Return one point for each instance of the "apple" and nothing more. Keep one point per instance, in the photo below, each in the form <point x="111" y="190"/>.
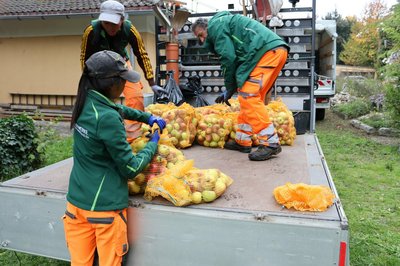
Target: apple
<point x="220" y="187"/>
<point x="208" y="195"/>
<point x="196" y="197"/>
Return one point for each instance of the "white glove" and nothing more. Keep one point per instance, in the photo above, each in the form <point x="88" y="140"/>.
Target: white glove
<point x="157" y="89"/>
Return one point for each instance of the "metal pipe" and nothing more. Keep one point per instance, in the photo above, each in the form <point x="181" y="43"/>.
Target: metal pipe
<point x="312" y="100"/>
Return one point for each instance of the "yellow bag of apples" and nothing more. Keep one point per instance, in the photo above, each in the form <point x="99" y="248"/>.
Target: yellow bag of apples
<point x="159" y="108"/>
<point x="212" y="109"/>
<point x="171" y="186"/>
<point x="181" y="125"/>
<point x="235" y="105"/>
<point x="165" y="158"/>
<point x="206" y="185"/>
<point x="283" y="121"/>
<point x="213" y="130"/>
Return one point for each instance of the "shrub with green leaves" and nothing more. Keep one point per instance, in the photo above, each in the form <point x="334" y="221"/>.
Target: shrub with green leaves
<point x="18" y="146"/>
<point x="353" y="109"/>
<point x="393" y="103"/>
<point x="392" y="97"/>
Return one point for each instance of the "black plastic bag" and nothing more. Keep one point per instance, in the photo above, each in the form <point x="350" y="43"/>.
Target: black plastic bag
<point x="192" y="91"/>
<point x="173" y="92"/>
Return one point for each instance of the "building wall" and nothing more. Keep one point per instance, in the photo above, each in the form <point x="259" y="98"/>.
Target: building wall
<point x="42" y="56"/>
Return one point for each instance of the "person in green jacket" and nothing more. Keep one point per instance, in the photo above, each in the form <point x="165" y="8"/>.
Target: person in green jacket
<point x="97" y="198"/>
<point x="251" y="57"/>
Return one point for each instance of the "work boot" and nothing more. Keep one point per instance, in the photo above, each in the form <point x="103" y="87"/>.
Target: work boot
<point x="233" y="145"/>
<point x="264" y="153"/>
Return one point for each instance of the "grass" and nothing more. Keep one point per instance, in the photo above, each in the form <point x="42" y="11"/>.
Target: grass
<point x="367" y="177"/>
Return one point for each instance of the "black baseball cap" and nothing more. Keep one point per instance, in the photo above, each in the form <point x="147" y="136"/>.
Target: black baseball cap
<point x="109" y="64"/>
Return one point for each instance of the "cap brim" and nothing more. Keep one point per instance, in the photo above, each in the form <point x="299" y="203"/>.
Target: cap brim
<point x="130" y="75"/>
<point x="113" y="18"/>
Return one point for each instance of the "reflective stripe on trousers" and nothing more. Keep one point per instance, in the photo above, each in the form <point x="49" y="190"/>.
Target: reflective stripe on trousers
<point x="253" y="117"/>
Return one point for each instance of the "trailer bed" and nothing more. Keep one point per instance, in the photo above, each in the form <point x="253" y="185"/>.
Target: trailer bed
<point x="253" y="183"/>
<point x="269" y="234"/>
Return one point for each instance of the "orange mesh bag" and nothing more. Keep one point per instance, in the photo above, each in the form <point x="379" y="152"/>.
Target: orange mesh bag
<point x="181" y="125"/>
<point x="304" y="197"/>
<point x="213" y="130"/>
<point x="206" y="185"/>
<point x="283" y="121"/>
<point x="171" y="186"/>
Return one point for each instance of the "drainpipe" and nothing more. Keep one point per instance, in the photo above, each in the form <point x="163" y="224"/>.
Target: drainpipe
<point x="172" y="59"/>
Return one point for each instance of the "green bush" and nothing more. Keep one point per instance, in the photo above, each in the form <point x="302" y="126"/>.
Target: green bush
<point x="392" y="97"/>
<point x="18" y="146"/>
<point x="363" y="88"/>
<point x="353" y="109"/>
<point x="392" y="101"/>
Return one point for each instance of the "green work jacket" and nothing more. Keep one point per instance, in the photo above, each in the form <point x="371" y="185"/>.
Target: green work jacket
<point x="240" y="42"/>
<point x="103" y="159"/>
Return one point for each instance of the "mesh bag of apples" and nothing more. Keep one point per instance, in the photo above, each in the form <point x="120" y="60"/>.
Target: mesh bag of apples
<point x="184" y="185"/>
<point x="283" y="121"/>
<point x="181" y="125"/>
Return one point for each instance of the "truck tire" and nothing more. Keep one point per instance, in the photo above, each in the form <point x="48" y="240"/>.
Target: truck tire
<point x="320" y="114"/>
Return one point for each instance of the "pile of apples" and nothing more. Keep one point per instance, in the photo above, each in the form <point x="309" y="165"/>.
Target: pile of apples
<point x="213" y="130"/>
<point x="206" y="185"/>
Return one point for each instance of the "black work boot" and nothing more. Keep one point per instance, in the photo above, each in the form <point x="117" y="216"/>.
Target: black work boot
<point x="233" y="145"/>
<point x="264" y="153"/>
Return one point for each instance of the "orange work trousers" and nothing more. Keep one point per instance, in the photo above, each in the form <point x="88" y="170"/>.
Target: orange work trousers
<point x="133" y="93"/>
<point x="253" y="119"/>
<point x="87" y="230"/>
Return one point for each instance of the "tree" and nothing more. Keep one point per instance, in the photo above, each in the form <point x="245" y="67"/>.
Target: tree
<point x="364" y="44"/>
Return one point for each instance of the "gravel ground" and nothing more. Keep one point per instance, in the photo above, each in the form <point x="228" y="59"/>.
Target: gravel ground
<point x="61" y="127"/>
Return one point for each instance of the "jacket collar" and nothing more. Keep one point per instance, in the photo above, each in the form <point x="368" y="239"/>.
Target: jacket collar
<point x="101" y="98"/>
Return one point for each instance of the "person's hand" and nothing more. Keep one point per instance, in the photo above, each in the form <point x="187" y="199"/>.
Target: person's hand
<point x="155" y="136"/>
<point x="158" y="120"/>
<point x="157" y="89"/>
<point x="224" y="97"/>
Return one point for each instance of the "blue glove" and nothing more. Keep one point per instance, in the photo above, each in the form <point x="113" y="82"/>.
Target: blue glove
<point x="157" y="90"/>
<point x="224" y="97"/>
<point x="155" y="137"/>
<point x="158" y="120"/>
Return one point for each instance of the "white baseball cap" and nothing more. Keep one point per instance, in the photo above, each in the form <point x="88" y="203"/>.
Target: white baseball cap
<point x="111" y="11"/>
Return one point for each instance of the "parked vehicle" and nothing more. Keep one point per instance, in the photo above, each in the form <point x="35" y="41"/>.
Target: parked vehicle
<point x="245" y="226"/>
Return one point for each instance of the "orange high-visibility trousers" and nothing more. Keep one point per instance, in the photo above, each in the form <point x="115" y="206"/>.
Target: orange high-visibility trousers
<point x="253" y="117"/>
<point x="87" y="230"/>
